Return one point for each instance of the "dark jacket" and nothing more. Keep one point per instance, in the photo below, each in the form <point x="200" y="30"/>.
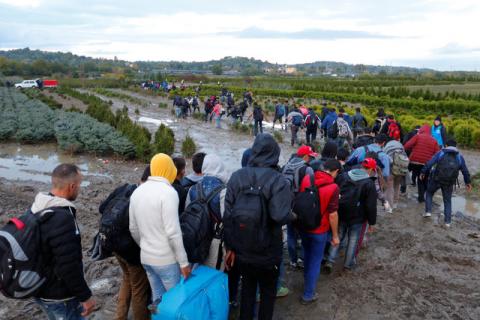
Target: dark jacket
<point x="463" y="166"/>
<point x="263" y="168"/>
<point x="359" y="121"/>
<point x="182" y="195"/>
<point x="62" y="251"/>
<point x="422" y="147"/>
<point x="367" y="208"/>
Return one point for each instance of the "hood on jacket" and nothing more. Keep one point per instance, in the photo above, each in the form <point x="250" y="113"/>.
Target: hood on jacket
<point x="45" y="200"/>
<point x="424" y="129"/>
<point x="214" y="167"/>
<point x="451" y="149"/>
<point x="358" y="174"/>
<point x="322" y="178"/>
<point x="265" y="152"/>
<point x="162" y="165"/>
<point x="246" y="157"/>
<point x="194" y="178"/>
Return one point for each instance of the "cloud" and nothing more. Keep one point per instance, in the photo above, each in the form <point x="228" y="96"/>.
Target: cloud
<point x="454" y="48"/>
<point x="310" y="34"/>
<point x="21" y="3"/>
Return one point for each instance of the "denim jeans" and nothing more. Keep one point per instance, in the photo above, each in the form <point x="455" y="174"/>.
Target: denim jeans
<point x="65" y="310"/>
<point x="258" y="126"/>
<point x="349" y="239"/>
<point x="217" y="121"/>
<point x="162" y="278"/>
<point x="292" y="240"/>
<point x="313" y="249"/>
<point x="447" y="192"/>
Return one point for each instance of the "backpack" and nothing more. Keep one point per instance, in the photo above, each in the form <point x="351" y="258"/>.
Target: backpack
<point x="199" y="225"/>
<point x="400" y="163"/>
<point x="297" y="121"/>
<point x="374" y="155"/>
<point x="280" y="110"/>
<point x="313" y="121"/>
<point x="333" y="130"/>
<point x="394" y="130"/>
<point x="246" y="227"/>
<point x="294" y="171"/>
<point x="446" y="170"/>
<point x="114" y="235"/>
<point x="257" y="114"/>
<point x="22" y="268"/>
<point x="349" y="200"/>
<point x="306" y="205"/>
<point x="342" y="128"/>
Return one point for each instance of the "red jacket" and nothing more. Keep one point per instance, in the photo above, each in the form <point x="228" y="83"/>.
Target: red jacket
<point x="326" y="190"/>
<point x="423" y="146"/>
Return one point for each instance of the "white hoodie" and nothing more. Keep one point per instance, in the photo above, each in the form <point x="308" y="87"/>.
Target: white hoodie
<point x="154" y="223"/>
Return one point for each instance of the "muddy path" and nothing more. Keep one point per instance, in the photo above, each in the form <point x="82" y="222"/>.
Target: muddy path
<point x="411" y="268"/>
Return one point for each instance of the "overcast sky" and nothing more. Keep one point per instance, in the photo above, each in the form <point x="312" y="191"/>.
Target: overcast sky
<point x="439" y="34"/>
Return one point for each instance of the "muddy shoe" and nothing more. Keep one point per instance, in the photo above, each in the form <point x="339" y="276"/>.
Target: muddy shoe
<point x="388" y="208"/>
<point x="307" y="302"/>
<point x="427" y="215"/>
<point x="328" y="268"/>
<point x="282" y="292"/>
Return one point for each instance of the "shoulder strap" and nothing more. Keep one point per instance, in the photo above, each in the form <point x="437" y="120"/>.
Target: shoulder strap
<point x="200" y="193"/>
<point x="214" y="192"/>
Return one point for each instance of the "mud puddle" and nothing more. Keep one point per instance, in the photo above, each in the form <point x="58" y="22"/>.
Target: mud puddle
<point x="34" y="163"/>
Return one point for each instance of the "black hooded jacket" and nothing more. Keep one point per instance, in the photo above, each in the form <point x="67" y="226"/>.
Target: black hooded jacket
<point x="263" y="168"/>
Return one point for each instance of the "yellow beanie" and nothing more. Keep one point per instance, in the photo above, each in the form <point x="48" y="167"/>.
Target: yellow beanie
<point x="162" y="165"/>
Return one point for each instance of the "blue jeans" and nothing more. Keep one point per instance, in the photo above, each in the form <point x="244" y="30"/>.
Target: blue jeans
<point x="162" y="278"/>
<point x="349" y="239"/>
<point x="313" y="248"/>
<point x="217" y="121"/>
<point x="292" y="239"/>
<point x="447" y="192"/>
<point x="67" y="310"/>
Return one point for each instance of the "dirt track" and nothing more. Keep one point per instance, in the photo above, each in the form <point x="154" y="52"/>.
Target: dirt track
<point x="411" y="268"/>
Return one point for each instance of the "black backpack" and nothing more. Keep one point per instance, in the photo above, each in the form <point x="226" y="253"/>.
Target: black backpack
<point x="349" y="201"/>
<point x="312" y="124"/>
<point x="257" y="114"/>
<point x="306" y="206"/>
<point x="333" y="131"/>
<point x="446" y="171"/>
<point x="22" y="268"/>
<point x="199" y="225"/>
<point x="247" y="225"/>
<point x="114" y="235"/>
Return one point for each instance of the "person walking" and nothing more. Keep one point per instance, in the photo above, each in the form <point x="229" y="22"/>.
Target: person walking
<point x="154" y="225"/>
<point x="399" y="163"/>
<point x="312" y="122"/>
<point x="65" y="294"/>
<point x="439" y="132"/>
<point x="359" y="122"/>
<point x="257" y="205"/>
<point x="279" y="114"/>
<point x="443" y="172"/>
<point x="422" y="148"/>
<point x="314" y="241"/>
<point x="197" y="175"/>
<point x="296" y="123"/>
<point x="180" y="164"/>
<point x="217" y="113"/>
<point x="357" y="207"/>
<point x="258" y="117"/>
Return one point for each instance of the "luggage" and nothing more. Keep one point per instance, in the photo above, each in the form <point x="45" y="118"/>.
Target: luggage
<point x="204" y="296"/>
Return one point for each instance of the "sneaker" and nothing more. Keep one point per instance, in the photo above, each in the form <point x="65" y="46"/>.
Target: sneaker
<point x="395" y="206"/>
<point x="328" y="268"/>
<point x="427" y="215"/>
<point x="282" y="292"/>
<point x="300" y="264"/>
<point x="307" y="302"/>
<point x="387" y="207"/>
<point x="447" y="225"/>
<point x="293" y="265"/>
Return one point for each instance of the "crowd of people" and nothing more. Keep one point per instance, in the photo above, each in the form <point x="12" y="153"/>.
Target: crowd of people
<point x="324" y="201"/>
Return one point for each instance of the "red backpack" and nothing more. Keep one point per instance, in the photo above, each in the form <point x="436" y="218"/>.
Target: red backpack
<point x="394" y="130"/>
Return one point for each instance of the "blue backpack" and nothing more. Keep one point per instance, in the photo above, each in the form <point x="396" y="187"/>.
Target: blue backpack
<point x="297" y="121"/>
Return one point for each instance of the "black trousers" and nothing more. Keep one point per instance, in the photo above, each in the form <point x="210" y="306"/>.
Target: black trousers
<point x="264" y="277"/>
<point x="311" y="134"/>
<point x="421" y="184"/>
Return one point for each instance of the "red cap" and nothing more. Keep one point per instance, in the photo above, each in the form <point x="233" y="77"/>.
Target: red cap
<point x="306" y="151"/>
<point x="369" y="163"/>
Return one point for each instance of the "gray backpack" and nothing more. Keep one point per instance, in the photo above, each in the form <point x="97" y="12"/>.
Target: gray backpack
<point x="400" y="163"/>
<point x="294" y="171"/>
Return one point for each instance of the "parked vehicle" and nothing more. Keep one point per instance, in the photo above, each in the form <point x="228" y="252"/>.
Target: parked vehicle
<point x="27" y="84"/>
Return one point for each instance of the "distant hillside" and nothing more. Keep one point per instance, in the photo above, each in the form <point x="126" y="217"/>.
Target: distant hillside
<point x="42" y="62"/>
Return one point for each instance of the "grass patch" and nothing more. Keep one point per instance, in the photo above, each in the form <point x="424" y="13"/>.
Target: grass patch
<point x="278" y="136"/>
<point x="188" y="147"/>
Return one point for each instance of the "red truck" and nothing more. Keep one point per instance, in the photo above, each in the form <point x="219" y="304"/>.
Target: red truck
<point x="50" y="83"/>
